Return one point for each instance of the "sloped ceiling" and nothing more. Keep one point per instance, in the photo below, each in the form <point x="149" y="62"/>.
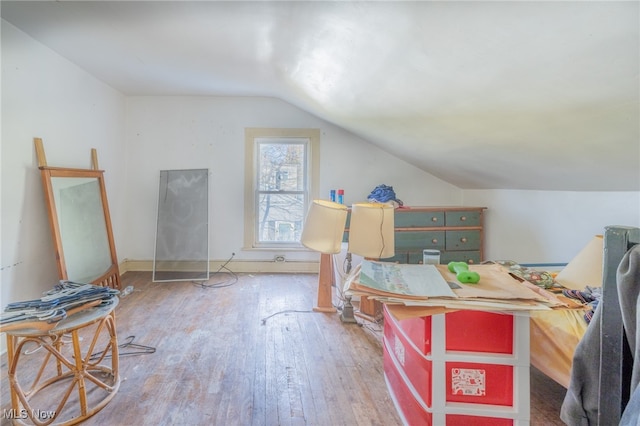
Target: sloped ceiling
<point x="496" y="95"/>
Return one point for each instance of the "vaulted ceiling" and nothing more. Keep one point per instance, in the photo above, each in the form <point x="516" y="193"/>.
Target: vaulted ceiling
<point x="498" y="95"/>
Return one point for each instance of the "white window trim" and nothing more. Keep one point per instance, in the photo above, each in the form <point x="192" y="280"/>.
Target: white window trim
<point x="251" y="134"/>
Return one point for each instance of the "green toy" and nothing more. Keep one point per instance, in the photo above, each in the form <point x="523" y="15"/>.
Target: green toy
<point x="463" y="274"/>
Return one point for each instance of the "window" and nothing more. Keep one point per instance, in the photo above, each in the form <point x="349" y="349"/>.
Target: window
<point x="281" y="170"/>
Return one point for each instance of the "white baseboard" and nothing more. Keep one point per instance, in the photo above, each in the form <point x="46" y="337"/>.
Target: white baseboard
<point x="241" y="266"/>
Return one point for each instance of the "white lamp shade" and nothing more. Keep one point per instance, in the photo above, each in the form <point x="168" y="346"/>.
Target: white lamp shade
<point x="371" y="231"/>
<point x="585" y="269"/>
<point x="324" y="227"/>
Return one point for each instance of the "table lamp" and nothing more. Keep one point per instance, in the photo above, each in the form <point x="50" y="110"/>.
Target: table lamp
<point x="323" y="231"/>
<point x="371" y="232"/>
<point x="372" y="236"/>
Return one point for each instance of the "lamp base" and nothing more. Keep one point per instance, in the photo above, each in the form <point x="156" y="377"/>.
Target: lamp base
<point x="347" y="316"/>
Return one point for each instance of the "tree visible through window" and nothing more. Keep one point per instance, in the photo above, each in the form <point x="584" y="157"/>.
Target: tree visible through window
<point x="283" y="179"/>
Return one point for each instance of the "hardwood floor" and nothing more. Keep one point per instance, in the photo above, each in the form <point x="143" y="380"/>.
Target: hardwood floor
<point x="253" y="353"/>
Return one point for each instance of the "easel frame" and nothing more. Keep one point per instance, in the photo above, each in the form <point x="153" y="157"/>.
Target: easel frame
<point x="111" y="277"/>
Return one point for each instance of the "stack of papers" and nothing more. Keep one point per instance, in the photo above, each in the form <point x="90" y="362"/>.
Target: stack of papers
<point x="433" y="289"/>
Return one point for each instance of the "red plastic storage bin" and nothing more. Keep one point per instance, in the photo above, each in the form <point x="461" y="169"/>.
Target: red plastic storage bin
<point x="459" y="368"/>
<point x="477" y="331"/>
<point x="479" y="383"/>
<point x="411" y="361"/>
<point x="461" y="420"/>
<point x="410" y="410"/>
<point x="466" y="331"/>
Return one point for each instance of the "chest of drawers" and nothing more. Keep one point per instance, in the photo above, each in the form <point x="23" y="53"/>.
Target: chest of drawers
<point x="456" y="231"/>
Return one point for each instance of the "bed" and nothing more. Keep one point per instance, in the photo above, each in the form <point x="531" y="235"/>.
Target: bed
<point x="556" y="335"/>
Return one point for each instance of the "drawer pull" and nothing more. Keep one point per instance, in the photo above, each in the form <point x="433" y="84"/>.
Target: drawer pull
<point x="463" y="218"/>
<point x="434" y="219"/>
<point x="434" y="241"/>
<point x="463" y="239"/>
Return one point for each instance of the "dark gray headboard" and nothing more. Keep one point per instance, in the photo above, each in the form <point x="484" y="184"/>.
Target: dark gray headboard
<point x="615" y="355"/>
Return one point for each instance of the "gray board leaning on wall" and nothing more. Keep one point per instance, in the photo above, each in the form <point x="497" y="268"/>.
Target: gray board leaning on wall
<point x="182" y="232"/>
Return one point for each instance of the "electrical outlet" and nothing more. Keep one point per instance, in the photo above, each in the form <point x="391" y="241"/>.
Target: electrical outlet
<point x="279" y="258"/>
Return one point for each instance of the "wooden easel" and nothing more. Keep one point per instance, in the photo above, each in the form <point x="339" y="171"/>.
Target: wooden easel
<point x="111" y="277"/>
<point x="42" y="158"/>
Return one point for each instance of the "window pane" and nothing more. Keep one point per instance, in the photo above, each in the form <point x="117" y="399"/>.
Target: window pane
<point x="281" y="166"/>
<point x="280" y="186"/>
<point x="280" y="217"/>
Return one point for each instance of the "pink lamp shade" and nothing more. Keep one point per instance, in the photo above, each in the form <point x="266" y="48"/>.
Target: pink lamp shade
<point x="371" y="231"/>
<point x="324" y="227"/>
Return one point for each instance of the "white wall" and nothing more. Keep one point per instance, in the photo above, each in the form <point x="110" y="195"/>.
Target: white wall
<point x="44" y="95"/>
<point x="208" y="132"/>
<point x="549" y="226"/>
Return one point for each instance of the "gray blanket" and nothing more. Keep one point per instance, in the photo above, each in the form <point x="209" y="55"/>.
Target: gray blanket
<point x="580" y="406"/>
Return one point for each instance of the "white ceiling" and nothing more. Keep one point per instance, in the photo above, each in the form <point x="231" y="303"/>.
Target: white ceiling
<point x="503" y="95"/>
